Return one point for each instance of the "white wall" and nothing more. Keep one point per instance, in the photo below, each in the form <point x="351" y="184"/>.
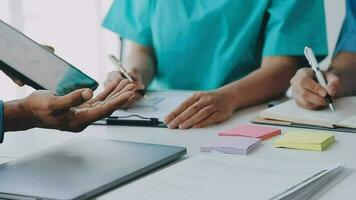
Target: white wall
<point x="335" y="12"/>
<point x="73" y="27"/>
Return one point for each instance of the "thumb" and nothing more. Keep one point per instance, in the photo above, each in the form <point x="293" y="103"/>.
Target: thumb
<point x="333" y="85"/>
<point x="73" y="99"/>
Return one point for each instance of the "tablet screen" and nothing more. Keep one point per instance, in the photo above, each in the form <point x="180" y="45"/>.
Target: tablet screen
<point x="41" y="66"/>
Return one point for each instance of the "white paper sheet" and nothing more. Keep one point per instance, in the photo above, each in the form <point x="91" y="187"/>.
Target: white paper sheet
<point x="219" y="176"/>
<point x="158" y="105"/>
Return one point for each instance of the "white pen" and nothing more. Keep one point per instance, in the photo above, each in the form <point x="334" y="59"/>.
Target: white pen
<point x="309" y="54"/>
<point x="119" y="66"/>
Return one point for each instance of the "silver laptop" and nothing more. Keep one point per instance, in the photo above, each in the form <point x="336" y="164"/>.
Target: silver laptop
<point x="81" y="168"/>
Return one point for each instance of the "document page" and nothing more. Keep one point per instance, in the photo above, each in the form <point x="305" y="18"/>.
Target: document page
<point x="219" y="176"/>
<point x="158" y="105"/>
<point x="348" y="122"/>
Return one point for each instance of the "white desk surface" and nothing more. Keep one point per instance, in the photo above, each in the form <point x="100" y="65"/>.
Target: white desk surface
<point x="18" y="144"/>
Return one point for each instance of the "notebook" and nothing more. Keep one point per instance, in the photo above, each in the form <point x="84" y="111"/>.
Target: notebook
<point x="221" y="176"/>
<point x="308" y="140"/>
<point x="289" y="113"/>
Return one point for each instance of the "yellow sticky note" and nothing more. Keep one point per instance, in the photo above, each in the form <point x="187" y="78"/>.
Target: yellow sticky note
<point x="309" y="140"/>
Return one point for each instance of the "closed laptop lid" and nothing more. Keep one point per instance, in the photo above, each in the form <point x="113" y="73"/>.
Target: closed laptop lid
<point x="81" y="168"/>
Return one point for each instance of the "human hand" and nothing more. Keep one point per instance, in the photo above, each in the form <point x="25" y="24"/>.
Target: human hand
<point x="115" y="77"/>
<point x="75" y="111"/>
<point x="201" y="110"/>
<point x="308" y="93"/>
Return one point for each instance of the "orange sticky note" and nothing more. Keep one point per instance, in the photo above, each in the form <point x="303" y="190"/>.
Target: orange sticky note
<point x="255" y="131"/>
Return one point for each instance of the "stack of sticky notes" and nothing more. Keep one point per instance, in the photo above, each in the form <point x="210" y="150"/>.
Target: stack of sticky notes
<point x="236" y="145"/>
<point x="254" y="131"/>
<point x="309" y="140"/>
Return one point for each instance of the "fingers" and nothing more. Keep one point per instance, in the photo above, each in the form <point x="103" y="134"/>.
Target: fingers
<point x="313" y="86"/>
<point x="102" y="96"/>
<point x="118" y="88"/>
<point x="107" y="108"/>
<point x="113" y="77"/>
<point x="186" y="104"/>
<point x="307" y="92"/>
<point x="86" y="115"/>
<point x="178" y="121"/>
<point x="212" y="119"/>
<point x="309" y="100"/>
<point x="136" y="75"/>
<point x="198" y="117"/>
<point x="117" y="92"/>
<point x="73" y="99"/>
<point x="334" y="84"/>
<point x="304" y="79"/>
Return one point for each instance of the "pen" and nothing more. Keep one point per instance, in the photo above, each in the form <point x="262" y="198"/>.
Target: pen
<point x="309" y="54"/>
<point x="152" y="122"/>
<point x="123" y="71"/>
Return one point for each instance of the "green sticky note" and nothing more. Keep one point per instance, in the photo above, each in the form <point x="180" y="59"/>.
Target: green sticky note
<point x="308" y="140"/>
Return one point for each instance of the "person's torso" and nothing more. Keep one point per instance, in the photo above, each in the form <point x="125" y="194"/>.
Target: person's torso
<point x="204" y="44"/>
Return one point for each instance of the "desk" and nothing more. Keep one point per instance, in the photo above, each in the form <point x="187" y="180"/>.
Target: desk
<point x="22" y="143"/>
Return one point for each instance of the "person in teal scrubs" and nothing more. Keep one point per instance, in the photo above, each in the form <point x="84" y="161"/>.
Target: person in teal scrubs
<point x="238" y="53"/>
<point x="341" y="73"/>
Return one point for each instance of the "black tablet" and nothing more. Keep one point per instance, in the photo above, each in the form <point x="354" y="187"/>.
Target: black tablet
<point x="36" y="66"/>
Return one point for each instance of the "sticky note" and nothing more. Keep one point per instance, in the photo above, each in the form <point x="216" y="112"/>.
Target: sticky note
<point x="232" y="145"/>
<point x="309" y="140"/>
<point x="255" y="131"/>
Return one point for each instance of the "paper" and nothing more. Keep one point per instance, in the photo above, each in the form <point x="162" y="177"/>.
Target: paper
<point x="232" y="145"/>
<point x="221" y="177"/>
<point x="290" y="111"/>
<point x="309" y="140"/>
<point x="255" y="131"/>
<point x="348" y="122"/>
<point x="158" y="105"/>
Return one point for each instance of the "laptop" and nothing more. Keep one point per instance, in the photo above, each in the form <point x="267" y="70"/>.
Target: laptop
<point x="81" y="168"/>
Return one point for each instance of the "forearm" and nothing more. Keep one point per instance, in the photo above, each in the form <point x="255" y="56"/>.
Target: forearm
<point x="344" y="66"/>
<point x="268" y="82"/>
<point x="16" y="116"/>
<point x="139" y="59"/>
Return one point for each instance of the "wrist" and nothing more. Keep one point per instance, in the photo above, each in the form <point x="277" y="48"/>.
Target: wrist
<point x="229" y="97"/>
<point x="17" y="116"/>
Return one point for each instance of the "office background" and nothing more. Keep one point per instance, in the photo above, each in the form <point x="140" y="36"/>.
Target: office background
<point x="74" y="29"/>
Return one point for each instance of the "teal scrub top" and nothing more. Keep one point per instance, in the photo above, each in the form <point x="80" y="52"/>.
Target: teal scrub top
<point x="347" y="38"/>
<point x="205" y="44"/>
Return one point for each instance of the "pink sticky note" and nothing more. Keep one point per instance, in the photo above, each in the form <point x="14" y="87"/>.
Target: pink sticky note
<point x="255" y="131"/>
<point x="233" y="145"/>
